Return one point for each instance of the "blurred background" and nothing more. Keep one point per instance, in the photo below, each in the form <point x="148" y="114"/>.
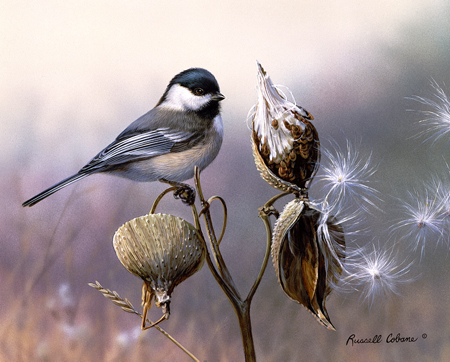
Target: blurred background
<point x="74" y="74"/>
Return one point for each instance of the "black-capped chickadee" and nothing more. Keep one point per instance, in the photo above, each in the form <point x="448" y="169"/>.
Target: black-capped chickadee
<point x="182" y="131"/>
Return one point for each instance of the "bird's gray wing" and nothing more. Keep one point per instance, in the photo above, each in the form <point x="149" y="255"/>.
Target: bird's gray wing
<point x="140" y="146"/>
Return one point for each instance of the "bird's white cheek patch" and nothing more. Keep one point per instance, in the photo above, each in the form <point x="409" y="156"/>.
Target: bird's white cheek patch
<point x="181" y="99"/>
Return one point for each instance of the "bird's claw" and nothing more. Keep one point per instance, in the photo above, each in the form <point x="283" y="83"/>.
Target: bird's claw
<point x="185" y="193"/>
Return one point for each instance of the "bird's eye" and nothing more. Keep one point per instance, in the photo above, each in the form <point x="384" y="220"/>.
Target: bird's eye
<point x="199" y="91"/>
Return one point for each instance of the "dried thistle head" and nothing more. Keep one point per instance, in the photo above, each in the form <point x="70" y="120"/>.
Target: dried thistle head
<point x="346" y="177"/>
<point x="285" y="142"/>
<point x="307" y="254"/>
<point x="161" y="249"/>
<point x="377" y="271"/>
<point x="436" y="121"/>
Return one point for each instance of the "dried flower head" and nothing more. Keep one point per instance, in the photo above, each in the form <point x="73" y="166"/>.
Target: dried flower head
<point x="161" y="249"/>
<point x="375" y="272"/>
<point x="442" y="189"/>
<point x="346" y="175"/>
<point x="307" y="255"/>
<point x="436" y="121"/>
<point x="285" y="142"/>
<point x="424" y="218"/>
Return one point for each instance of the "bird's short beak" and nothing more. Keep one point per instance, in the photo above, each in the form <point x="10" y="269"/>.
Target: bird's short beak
<point x="218" y="97"/>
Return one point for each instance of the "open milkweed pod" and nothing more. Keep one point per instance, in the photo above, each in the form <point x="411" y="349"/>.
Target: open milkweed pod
<point x="163" y="250"/>
<point x="307" y="255"/>
<point x="285" y="143"/>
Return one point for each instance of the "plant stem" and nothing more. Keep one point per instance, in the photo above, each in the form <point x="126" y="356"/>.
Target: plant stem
<point x="243" y="309"/>
<point x="243" y="314"/>
<point x="221" y="266"/>
<point x="220" y="270"/>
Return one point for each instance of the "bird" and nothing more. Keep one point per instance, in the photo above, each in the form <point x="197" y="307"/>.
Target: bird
<point x="183" y="130"/>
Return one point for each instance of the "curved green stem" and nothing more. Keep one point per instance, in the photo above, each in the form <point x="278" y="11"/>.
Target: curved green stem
<point x="265" y="219"/>
<point x="228" y="292"/>
<point x="225" y="214"/>
<point x="222" y="268"/>
<point x="264" y="213"/>
<point x="159" y="198"/>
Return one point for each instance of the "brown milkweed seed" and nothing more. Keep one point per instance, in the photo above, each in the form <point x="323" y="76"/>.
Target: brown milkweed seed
<point x="287" y="125"/>
<point x="275" y="124"/>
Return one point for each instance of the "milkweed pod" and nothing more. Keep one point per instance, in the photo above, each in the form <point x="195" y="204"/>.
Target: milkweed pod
<point x="307" y="253"/>
<point x="161" y="249"/>
<point x="282" y="134"/>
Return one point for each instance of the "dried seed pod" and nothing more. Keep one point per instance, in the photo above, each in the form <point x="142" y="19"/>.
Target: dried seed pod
<point x="293" y="155"/>
<point x="161" y="249"/>
<point x="278" y="127"/>
<point x="307" y="255"/>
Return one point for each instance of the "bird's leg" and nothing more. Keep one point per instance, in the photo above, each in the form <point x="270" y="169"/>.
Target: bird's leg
<point x="184" y="192"/>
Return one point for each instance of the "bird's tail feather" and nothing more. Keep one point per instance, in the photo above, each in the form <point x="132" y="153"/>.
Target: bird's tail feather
<point x="51" y="190"/>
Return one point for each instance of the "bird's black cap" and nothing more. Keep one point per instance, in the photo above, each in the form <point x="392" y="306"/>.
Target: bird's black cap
<point x="196" y="78"/>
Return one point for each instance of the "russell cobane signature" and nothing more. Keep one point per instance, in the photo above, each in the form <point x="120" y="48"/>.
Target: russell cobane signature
<point x="378" y="338"/>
